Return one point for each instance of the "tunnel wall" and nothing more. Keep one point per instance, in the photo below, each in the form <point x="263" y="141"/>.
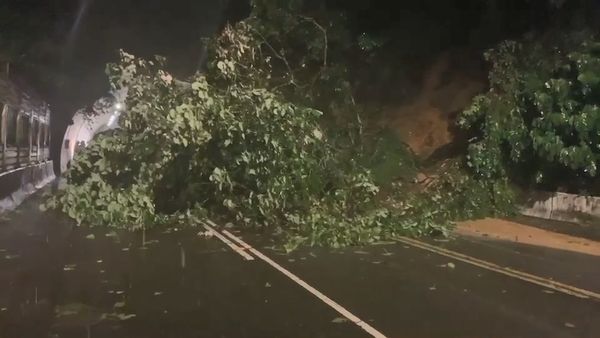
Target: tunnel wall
<point x="83" y="129"/>
<point x="17" y="184"/>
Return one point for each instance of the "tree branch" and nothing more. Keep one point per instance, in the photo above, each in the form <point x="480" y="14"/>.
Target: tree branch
<point x="279" y="56"/>
<point x="325" y="38"/>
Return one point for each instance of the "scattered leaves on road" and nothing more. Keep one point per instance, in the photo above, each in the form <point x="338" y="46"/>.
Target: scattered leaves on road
<point x="340" y="320"/>
<point x="207" y="234"/>
<point x="69" y="267"/>
<point x="120" y="316"/>
<point x="383" y="243"/>
<point x="111" y="234"/>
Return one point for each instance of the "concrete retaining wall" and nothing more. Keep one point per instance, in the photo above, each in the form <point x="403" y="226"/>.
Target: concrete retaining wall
<point x="17" y="184"/>
<point x="563" y="207"/>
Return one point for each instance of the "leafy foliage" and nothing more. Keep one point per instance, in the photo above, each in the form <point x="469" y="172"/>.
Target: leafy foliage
<point x="237" y="151"/>
<point x="540" y="119"/>
<point x="390" y="159"/>
<point x="247" y="142"/>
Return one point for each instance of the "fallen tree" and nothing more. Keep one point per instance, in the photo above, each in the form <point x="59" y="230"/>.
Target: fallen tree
<point x="248" y="142"/>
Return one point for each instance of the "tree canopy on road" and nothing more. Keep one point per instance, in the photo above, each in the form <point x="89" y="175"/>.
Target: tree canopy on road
<point x="255" y="140"/>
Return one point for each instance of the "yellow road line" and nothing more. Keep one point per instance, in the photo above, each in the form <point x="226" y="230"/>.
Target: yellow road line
<point x="545" y="282"/>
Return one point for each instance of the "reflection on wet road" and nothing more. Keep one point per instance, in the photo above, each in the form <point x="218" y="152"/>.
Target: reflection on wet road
<point x="64" y="281"/>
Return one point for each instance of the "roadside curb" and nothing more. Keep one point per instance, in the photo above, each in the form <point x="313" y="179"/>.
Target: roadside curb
<point x="16" y="185"/>
<point x="505" y="230"/>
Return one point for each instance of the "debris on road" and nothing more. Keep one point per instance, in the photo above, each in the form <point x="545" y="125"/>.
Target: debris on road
<point x="111" y="234"/>
<point x="340" y="320"/>
<point x="11" y="257"/>
<point x="69" y="267"/>
<point x="207" y="234"/>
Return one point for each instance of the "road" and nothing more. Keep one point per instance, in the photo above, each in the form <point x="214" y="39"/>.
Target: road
<point x="63" y="281"/>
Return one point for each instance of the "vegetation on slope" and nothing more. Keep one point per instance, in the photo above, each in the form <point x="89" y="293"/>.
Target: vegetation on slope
<point x="539" y="123"/>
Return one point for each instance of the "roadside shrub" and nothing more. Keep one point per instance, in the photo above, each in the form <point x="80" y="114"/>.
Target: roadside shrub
<point x="540" y="120"/>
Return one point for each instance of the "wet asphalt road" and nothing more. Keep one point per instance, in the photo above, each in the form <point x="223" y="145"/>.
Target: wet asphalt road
<point x="60" y="281"/>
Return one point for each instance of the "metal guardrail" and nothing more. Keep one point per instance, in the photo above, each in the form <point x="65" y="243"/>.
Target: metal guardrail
<point x="24" y="129"/>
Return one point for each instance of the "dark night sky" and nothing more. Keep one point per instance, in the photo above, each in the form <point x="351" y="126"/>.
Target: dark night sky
<point x="144" y="28"/>
<point x="66" y="65"/>
<point x="63" y="61"/>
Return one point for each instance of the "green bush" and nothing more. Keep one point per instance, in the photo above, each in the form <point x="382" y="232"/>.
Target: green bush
<point x="540" y="120"/>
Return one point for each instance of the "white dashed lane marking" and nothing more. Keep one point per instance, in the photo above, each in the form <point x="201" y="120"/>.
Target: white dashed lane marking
<point x="230" y="244"/>
<point x="337" y="307"/>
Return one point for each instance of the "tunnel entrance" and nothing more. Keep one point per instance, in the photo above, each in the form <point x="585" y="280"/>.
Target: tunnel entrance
<point x="82" y="130"/>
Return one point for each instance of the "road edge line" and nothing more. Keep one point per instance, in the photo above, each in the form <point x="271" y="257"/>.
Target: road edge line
<point x="337" y="307"/>
<point x="524" y="276"/>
